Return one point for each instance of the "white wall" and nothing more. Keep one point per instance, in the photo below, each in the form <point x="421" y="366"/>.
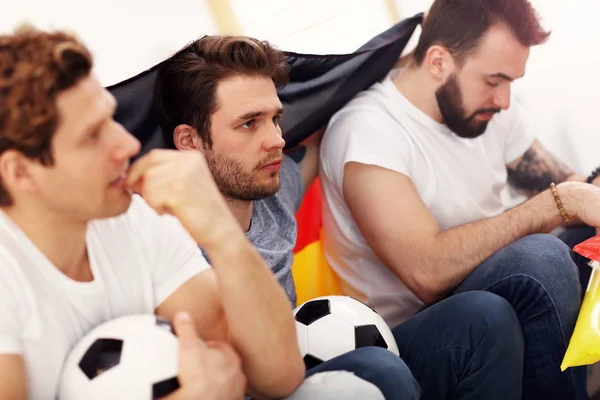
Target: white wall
<point x="561" y="87"/>
<point x="125" y="36"/>
<point x="562" y="84"/>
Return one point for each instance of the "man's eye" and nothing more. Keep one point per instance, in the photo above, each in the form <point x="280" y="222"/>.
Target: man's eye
<point x="249" y="124"/>
<point x="492" y="84"/>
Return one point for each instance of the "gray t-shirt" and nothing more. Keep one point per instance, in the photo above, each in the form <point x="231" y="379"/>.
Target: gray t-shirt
<point x="273" y="228"/>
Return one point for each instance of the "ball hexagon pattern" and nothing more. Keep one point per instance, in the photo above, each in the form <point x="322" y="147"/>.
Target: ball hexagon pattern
<point x="133" y="357"/>
<point x="330" y="326"/>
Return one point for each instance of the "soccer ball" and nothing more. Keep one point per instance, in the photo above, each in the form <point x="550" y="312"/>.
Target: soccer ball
<point x="330" y="326"/>
<point x="133" y="357"/>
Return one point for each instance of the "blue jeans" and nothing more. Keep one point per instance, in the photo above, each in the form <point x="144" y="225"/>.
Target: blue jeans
<point x="537" y="276"/>
<point x="469" y="346"/>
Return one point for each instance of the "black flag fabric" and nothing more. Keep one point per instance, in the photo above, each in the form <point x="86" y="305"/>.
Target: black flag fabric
<point x="319" y="86"/>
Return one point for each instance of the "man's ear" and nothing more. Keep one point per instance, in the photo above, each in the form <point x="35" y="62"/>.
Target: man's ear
<point x="16" y="172"/>
<point x="439" y="62"/>
<point x="186" y="138"/>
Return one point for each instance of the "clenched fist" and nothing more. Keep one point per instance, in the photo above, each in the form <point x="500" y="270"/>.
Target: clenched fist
<point x="180" y="183"/>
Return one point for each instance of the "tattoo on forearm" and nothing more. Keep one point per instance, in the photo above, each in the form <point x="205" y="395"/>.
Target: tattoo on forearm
<point x="536" y="170"/>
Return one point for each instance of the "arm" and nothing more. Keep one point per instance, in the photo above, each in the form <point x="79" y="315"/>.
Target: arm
<point x="200" y="297"/>
<point x="243" y="303"/>
<point x="13" y="373"/>
<point x="241" y="296"/>
<point x="13" y="379"/>
<point x="533" y="172"/>
<point x="406" y="237"/>
<point x="259" y="317"/>
<point x="309" y="161"/>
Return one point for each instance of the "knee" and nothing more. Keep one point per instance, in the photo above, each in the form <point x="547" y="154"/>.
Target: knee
<point x="491" y="320"/>
<point x="376" y="360"/>
<point x="384" y="369"/>
<point x="543" y="257"/>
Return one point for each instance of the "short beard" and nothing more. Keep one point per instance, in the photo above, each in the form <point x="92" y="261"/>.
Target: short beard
<point x="449" y="99"/>
<point x="237" y="184"/>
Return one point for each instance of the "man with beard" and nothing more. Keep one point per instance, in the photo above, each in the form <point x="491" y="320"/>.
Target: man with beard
<point x="412" y="172"/>
<point x="218" y="96"/>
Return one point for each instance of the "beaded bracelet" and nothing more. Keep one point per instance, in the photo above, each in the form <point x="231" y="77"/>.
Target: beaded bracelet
<point x="593" y="175"/>
<point x="559" y="203"/>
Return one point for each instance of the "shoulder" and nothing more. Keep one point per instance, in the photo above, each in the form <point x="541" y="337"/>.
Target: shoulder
<point x="15" y="288"/>
<point x="15" y="259"/>
<point x="368" y="107"/>
<point x="376" y="114"/>
<point x="365" y="128"/>
<point x="11" y="275"/>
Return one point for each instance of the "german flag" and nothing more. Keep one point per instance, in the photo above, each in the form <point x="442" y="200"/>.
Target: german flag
<point x="319" y="86"/>
<point x="312" y="274"/>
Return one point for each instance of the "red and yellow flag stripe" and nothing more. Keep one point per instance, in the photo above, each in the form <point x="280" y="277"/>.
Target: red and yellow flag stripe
<point x="312" y="274"/>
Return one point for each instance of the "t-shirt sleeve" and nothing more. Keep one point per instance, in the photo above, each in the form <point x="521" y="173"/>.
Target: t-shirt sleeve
<point x="367" y="137"/>
<point x="11" y="329"/>
<point x="173" y="255"/>
<point x="291" y="187"/>
<point x="521" y="131"/>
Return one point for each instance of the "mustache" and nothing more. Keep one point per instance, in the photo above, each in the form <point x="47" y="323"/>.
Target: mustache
<point x="277" y="156"/>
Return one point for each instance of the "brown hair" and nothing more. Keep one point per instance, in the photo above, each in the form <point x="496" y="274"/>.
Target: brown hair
<point x="35" y="66"/>
<point x="459" y="25"/>
<point x="186" y="83"/>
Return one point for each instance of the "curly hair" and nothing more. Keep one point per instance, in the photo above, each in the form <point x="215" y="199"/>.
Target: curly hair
<point x="186" y="84"/>
<point x="35" y="66"/>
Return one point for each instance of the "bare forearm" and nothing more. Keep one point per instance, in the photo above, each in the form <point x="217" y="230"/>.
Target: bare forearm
<point x="259" y="316"/>
<point x="310" y="165"/>
<point x="449" y="257"/>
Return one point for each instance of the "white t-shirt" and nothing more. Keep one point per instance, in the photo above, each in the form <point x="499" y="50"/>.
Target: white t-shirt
<point x="460" y="180"/>
<point x="138" y="260"/>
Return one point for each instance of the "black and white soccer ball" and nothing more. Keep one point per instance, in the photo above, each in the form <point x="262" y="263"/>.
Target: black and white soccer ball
<point x="133" y="357"/>
<point x="330" y="326"/>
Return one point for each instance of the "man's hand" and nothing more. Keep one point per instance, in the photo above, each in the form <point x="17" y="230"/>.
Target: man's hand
<point x="180" y="183"/>
<point x="207" y="371"/>
<point x="581" y="201"/>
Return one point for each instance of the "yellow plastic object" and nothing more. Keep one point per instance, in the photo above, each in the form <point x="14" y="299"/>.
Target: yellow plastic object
<point x="584" y="347"/>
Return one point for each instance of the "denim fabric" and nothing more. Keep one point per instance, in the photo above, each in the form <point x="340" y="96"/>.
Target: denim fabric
<point x="469" y="347"/>
<point x="501" y="335"/>
<point x="538" y="277"/>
